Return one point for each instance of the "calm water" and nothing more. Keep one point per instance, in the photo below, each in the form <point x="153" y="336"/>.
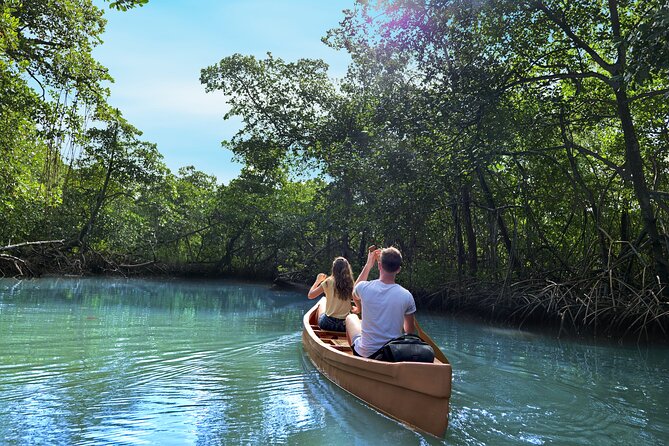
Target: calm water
<point x="107" y="361"/>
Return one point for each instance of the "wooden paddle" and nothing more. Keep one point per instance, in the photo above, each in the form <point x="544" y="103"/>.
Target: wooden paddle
<point x="437" y="351"/>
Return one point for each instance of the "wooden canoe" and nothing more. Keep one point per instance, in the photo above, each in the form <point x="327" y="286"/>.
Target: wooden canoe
<point x="414" y="393"/>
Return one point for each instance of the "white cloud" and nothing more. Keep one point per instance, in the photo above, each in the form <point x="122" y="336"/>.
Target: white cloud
<point x="176" y="99"/>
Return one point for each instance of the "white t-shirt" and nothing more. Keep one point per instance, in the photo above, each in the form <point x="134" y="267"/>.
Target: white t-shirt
<point x="383" y="309"/>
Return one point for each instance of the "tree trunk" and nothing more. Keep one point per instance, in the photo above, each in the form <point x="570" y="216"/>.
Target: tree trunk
<point x="362" y="248"/>
<point x="624" y="226"/>
<point x="101" y="195"/>
<point x="633" y="153"/>
<point x="635" y="166"/>
<point x="589" y="196"/>
<point x="472" y="259"/>
<point x="225" y="263"/>
<point x="460" y="249"/>
<point x="501" y="225"/>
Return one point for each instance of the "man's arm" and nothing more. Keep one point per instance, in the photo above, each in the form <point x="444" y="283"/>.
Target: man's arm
<point x="372" y="255"/>
<point x="409" y="323"/>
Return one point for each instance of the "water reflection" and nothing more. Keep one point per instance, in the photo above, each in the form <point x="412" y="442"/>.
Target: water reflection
<point x="94" y="361"/>
<point x="99" y="361"/>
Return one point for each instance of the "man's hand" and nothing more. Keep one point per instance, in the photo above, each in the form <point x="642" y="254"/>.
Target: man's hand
<point x="372" y="254"/>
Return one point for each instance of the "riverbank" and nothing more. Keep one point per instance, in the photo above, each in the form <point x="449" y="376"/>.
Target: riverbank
<point x="582" y="308"/>
<point x="589" y="307"/>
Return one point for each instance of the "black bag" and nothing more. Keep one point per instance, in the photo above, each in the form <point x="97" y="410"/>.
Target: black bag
<point x="407" y="347"/>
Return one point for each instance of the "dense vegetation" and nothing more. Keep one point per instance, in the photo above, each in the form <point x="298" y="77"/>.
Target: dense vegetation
<point x="517" y="152"/>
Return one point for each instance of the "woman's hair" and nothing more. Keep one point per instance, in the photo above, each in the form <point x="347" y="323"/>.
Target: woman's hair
<point x="343" y="278"/>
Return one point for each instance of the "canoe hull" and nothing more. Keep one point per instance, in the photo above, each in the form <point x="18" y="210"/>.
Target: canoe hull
<point x="416" y="394"/>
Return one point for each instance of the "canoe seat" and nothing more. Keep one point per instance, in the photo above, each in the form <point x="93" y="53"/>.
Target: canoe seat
<point x="343" y="349"/>
<point x="326" y="334"/>
<point x="339" y="344"/>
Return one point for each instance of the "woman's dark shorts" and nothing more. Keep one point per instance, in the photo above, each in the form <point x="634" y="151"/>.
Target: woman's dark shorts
<point x="326" y="322"/>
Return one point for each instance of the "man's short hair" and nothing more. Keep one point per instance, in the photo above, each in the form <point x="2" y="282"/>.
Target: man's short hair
<point x="391" y="259"/>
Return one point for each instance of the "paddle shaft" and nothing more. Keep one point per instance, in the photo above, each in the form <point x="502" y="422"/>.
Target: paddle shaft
<point x="437" y="351"/>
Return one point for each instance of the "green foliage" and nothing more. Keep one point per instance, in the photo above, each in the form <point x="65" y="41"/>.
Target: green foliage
<point x="493" y="136"/>
<point x="47" y="77"/>
<point x="114" y="165"/>
<point x="648" y="43"/>
<point x="495" y="141"/>
<point x="281" y="105"/>
<point x="124" y="5"/>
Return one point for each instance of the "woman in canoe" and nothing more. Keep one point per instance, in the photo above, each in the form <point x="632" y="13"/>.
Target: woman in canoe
<point x="338" y="289"/>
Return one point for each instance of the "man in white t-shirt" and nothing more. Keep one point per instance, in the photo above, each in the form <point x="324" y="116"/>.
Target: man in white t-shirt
<point x="387" y="308"/>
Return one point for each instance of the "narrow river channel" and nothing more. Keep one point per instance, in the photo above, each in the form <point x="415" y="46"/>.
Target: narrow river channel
<point x="110" y="361"/>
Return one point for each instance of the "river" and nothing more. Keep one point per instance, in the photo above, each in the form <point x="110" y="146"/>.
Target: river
<point x="110" y="361"/>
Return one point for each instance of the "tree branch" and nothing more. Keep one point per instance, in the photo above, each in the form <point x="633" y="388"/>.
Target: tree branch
<point x="619" y="169"/>
<point x="19" y="245"/>
<point x="574" y="38"/>
<point x="661" y="198"/>
<point x="15" y="261"/>
<point x="615" y="25"/>
<point x="650" y="94"/>
<point x="559" y="76"/>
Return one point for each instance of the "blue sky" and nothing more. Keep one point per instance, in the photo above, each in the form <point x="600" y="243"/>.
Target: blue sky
<point x="155" y="54"/>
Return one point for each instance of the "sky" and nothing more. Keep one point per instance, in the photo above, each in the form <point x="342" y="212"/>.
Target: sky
<point x="155" y="54"/>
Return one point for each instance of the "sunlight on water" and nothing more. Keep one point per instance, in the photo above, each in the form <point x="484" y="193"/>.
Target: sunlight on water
<point x="100" y="361"/>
